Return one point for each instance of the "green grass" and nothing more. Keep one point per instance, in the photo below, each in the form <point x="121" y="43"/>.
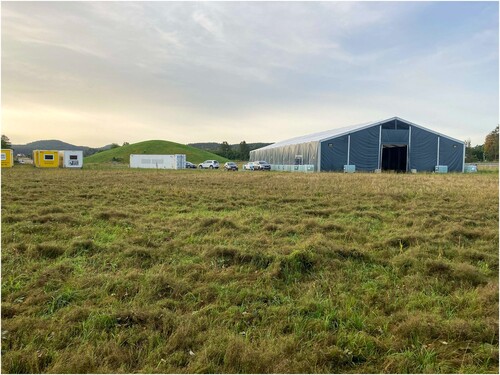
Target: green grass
<point x="487" y="168"/>
<point x="122" y="154"/>
<point x="126" y="271"/>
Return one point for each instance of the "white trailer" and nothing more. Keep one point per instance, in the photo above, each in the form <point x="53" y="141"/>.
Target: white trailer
<point x="71" y="159"/>
<point x="177" y="161"/>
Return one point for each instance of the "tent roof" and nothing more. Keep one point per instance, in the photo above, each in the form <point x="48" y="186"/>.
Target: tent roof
<point x="334" y="133"/>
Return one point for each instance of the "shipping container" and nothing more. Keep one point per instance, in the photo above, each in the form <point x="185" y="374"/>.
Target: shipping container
<point x="46" y="158"/>
<point x="71" y="159"/>
<point x="177" y="161"/>
<point x="7" y="158"/>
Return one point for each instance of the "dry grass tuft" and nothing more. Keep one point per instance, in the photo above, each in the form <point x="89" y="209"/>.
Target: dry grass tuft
<point x="111" y="215"/>
<point x="352" y="254"/>
<point x="224" y="256"/>
<point x="53" y="218"/>
<point x="48" y="250"/>
<point x="214" y="223"/>
<point x="420" y="327"/>
<point x="295" y="266"/>
<point x="83" y="247"/>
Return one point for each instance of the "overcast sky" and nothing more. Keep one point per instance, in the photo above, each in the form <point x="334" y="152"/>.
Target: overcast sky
<point x="93" y="73"/>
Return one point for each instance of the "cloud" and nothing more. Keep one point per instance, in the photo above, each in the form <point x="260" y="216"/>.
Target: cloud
<point x="241" y="70"/>
<point x="205" y="22"/>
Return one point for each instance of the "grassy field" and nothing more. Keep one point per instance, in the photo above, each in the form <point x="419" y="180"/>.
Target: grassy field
<point x="124" y="271"/>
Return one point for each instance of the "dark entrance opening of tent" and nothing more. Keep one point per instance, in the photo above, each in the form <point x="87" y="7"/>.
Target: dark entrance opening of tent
<point x="394" y="158"/>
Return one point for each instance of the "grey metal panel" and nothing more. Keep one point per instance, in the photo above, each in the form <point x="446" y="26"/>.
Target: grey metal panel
<point x="334" y="154"/>
<point x="423" y="156"/>
<point x="392" y="136"/>
<point x="365" y="149"/>
<point x="451" y="154"/>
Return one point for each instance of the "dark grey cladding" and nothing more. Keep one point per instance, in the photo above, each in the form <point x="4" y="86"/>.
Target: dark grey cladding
<point x="394" y="144"/>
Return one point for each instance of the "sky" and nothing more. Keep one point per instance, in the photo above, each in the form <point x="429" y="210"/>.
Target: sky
<point x="95" y="73"/>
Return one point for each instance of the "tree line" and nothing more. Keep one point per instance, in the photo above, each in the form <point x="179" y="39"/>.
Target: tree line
<point x="242" y="152"/>
<point x="485" y="152"/>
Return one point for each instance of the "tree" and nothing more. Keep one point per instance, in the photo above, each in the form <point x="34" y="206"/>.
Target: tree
<point x="244" y="151"/>
<point x="473" y="154"/>
<point x="114" y="145"/>
<point x="125" y="144"/>
<point x="468" y="151"/>
<point x="491" y="146"/>
<point x="225" y="150"/>
<point x="6" y="142"/>
<point x="477" y="153"/>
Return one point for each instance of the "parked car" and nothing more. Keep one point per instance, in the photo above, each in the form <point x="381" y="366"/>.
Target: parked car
<point x="261" y="165"/>
<point x="248" y="166"/>
<point x="190" y="165"/>
<point x="230" y="166"/>
<point x="209" y="164"/>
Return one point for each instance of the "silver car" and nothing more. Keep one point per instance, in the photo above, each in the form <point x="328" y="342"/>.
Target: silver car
<point x="211" y="164"/>
<point x="248" y="166"/>
<point x="261" y="165"/>
<point x="230" y="166"/>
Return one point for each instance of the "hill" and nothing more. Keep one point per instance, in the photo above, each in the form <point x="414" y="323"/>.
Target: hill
<point x="54" y="144"/>
<point x="122" y="154"/>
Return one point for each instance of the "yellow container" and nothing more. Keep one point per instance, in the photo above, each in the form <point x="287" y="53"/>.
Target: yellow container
<point x="7" y="158"/>
<point x="46" y="158"/>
